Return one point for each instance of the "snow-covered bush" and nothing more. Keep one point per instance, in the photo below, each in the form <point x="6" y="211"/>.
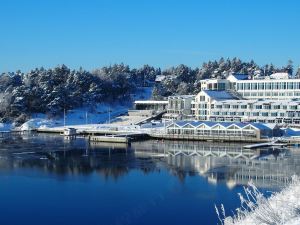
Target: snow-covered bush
<point x="280" y="208"/>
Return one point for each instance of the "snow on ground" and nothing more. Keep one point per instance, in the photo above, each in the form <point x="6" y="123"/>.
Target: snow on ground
<point x="38" y="123"/>
<point x="281" y="208"/>
<point x="82" y="117"/>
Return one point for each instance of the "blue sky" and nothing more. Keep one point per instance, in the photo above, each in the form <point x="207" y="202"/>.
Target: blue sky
<point x="94" y="33"/>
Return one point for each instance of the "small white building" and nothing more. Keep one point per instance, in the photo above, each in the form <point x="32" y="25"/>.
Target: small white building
<point x="69" y="131"/>
<point x="179" y="107"/>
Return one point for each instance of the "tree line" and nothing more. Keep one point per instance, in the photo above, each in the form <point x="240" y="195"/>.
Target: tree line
<point x="52" y="90"/>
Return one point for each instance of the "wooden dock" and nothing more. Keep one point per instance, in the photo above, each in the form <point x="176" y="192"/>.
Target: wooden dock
<point x="111" y="139"/>
<point x="12" y="133"/>
<point x="266" y="144"/>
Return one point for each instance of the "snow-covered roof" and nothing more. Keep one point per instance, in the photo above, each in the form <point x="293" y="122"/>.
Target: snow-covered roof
<point x="160" y="78"/>
<point x="237" y="76"/>
<point x="219" y="95"/>
<point x="260" y="126"/>
<point x="261" y="101"/>
<point x="279" y="76"/>
<point x="182" y="96"/>
<point x="150" y="102"/>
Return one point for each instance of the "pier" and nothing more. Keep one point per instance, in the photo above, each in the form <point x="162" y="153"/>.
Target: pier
<point x="110" y="138"/>
<point x="266" y="144"/>
<point x="8" y="134"/>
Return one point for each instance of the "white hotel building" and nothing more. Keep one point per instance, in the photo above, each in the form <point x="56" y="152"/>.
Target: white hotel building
<point x="269" y="88"/>
<point x="272" y="100"/>
<point x="264" y="111"/>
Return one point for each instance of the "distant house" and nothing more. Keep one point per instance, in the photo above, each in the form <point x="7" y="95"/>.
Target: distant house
<point x="159" y="78"/>
<point x="68" y="131"/>
<point x="179" y="107"/>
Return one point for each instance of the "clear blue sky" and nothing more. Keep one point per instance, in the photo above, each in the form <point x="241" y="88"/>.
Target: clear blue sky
<point x="94" y="33"/>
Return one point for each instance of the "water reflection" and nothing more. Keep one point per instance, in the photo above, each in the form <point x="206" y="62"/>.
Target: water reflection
<point x="218" y="162"/>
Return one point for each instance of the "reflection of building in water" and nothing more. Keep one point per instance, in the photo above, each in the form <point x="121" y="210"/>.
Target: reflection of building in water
<point x="184" y="148"/>
<point x="218" y="162"/>
<point x="221" y="162"/>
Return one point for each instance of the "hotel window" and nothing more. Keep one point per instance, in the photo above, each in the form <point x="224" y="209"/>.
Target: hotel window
<point x="276" y="107"/>
<point x="261" y="86"/>
<point x="267" y="107"/>
<point x="255" y="114"/>
<point x="290" y="85"/>
<point x="265" y="114"/>
<point x="276" y="86"/>
<point x="243" y="106"/>
<point x="274" y="114"/>
<point x="235" y="106"/>
<point x="281" y="85"/>
<point x="268" y="93"/>
<point x="202" y="98"/>
<point x="247" y="86"/>
<point x="258" y="107"/>
<point x="254" y="86"/>
<point x="268" y="86"/>
<point x="222" y="86"/>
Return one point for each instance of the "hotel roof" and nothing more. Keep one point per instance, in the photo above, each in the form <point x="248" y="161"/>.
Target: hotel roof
<point x="220" y="95"/>
<point x="260" y="126"/>
<point x="241" y="76"/>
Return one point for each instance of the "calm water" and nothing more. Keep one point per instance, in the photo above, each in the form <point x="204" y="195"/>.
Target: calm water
<point x="48" y="180"/>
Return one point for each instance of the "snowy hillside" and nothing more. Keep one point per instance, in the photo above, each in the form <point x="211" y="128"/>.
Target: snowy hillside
<point x="102" y="113"/>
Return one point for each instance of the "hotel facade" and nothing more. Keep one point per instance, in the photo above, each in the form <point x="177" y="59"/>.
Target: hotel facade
<point x="269" y="88"/>
<point x="272" y="100"/>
